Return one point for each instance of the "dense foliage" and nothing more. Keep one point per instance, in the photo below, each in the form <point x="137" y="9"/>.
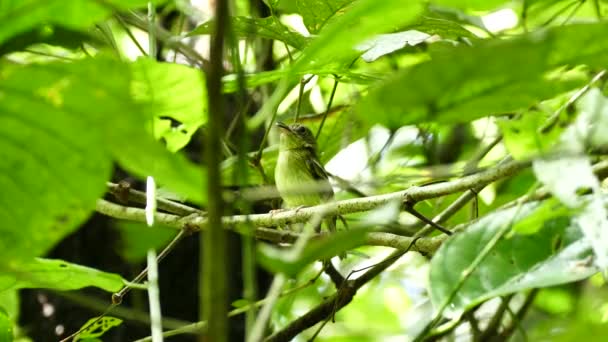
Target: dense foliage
<point x="466" y="143"/>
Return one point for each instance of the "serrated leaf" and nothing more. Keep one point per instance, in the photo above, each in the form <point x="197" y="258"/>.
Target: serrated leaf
<point x="446" y="29"/>
<point x="362" y="20"/>
<point x="270" y="28"/>
<point x="556" y="254"/>
<point x="316" y="13"/>
<point x="56" y="274"/>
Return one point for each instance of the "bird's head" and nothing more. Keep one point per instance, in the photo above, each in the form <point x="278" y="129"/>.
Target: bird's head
<point x="295" y="136"/>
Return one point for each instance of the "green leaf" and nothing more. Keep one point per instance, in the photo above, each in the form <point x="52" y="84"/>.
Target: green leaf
<point x="281" y="261"/>
<point x="523" y="137"/>
<point x="9" y="301"/>
<point x="270" y="28"/>
<point x="495" y="76"/>
<point x="478" y="5"/>
<point x="137" y="238"/>
<point x="176" y="97"/>
<point x="56" y="274"/>
<point x="96" y="327"/>
<point x="362" y="20"/>
<point x="6" y="326"/>
<point x="17" y="16"/>
<point x="230" y="84"/>
<point x="316" y="13"/>
<point x="60" y="124"/>
<point x="49" y="35"/>
<point x="52" y="173"/>
<point x="557" y="254"/>
<point x="446" y="29"/>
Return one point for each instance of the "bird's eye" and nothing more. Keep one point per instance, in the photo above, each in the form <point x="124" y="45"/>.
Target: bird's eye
<point x="301" y="129"/>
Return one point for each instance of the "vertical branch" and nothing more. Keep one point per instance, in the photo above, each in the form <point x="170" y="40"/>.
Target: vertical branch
<point x="151" y="30"/>
<point x="212" y="257"/>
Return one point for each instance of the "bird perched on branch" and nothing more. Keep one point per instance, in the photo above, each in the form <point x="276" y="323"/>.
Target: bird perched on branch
<point x="300" y="178"/>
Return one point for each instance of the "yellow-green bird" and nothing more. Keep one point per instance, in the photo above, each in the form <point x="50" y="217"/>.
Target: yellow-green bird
<point x="300" y="178"/>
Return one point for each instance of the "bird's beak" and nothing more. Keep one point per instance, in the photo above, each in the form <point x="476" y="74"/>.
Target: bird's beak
<point x="283" y="125"/>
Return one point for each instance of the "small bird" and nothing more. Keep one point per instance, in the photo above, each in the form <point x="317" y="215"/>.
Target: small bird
<point x="299" y="171"/>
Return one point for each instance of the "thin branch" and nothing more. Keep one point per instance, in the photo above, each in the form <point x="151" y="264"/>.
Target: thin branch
<point x="329" y="103"/>
<point x="554" y="118"/>
<point x="124" y="193"/>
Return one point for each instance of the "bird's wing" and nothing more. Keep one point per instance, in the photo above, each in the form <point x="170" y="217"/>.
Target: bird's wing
<point x="318" y="172"/>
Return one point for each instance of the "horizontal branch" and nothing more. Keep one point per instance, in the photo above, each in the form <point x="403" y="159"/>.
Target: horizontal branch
<point x="274" y="235"/>
<point x="412" y="195"/>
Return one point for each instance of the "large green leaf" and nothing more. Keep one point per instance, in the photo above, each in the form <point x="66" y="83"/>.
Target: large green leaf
<point x="52" y="172"/>
<point x="495" y="76"/>
<point x="60" y="124"/>
<point x="270" y="28"/>
<point x="17" y="16"/>
<point x="56" y="274"/>
<point x="556" y="254"/>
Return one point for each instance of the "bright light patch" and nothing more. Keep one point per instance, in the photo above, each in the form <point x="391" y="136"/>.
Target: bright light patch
<point x="150" y="200"/>
<point x="500" y="20"/>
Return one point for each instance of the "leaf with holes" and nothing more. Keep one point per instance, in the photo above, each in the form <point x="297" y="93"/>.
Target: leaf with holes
<point x="96" y="327"/>
<point x="178" y="113"/>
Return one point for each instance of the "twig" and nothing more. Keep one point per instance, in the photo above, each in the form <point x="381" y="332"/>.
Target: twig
<point x="329" y="103"/>
<point x="124" y="193"/>
<point x="554" y="118"/>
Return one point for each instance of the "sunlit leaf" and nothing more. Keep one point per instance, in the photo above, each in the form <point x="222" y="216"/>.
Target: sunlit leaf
<point x="496" y="76"/>
<point x="176" y="97"/>
<point x="361" y="21"/>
